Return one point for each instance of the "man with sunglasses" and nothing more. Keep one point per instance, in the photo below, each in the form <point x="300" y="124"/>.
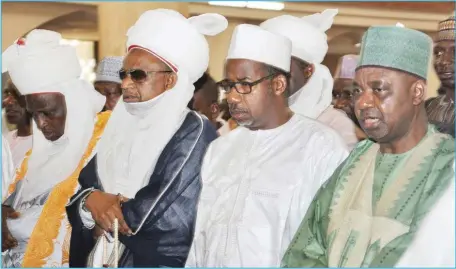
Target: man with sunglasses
<point x="146" y="174"/>
<point x="259" y="178"/>
<point x="107" y="81"/>
<point x="311" y="82"/>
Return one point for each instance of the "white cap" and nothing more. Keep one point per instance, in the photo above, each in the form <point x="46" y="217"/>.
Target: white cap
<point x="108" y="69"/>
<point x="251" y="42"/>
<point x="177" y="41"/>
<point x="307" y="33"/>
<point x="42" y="63"/>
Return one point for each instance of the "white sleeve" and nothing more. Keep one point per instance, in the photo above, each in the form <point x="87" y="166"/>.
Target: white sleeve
<point x="197" y="249"/>
<point x="434" y="243"/>
<point x="86" y="216"/>
<point x="7" y="168"/>
<point x="329" y="152"/>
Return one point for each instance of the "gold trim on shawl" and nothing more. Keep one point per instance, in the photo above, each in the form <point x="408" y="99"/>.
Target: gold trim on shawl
<point x="46" y="230"/>
<point x="20" y="172"/>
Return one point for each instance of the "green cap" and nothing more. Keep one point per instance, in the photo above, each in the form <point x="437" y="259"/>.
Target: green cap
<point x="396" y="48"/>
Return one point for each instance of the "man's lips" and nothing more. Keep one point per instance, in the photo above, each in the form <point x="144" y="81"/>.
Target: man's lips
<point x="370" y="122"/>
<point x="446" y="75"/>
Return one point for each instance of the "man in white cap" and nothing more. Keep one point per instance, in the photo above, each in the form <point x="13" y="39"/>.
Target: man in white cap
<point x="259" y="178"/>
<point x="146" y="174"/>
<point x="66" y="129"/>
<point x="311" y="82"/>
<point x="107" y="80"/>
<point x="373" y="211"/>
<point x="343" y="90"/>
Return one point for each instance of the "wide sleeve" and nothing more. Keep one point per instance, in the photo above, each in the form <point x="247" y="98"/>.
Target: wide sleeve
<point x="7" y="168"/>
<point x="168" y="205"/>
<point x="197" y="250"/>
<point x="309" y="247"/>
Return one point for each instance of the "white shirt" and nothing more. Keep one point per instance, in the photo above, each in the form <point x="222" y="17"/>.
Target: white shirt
<point x="19" y="146"/>
<point x="341" y="123"/>
<point x="257" y="186"/>
<point x="7" y="168"/>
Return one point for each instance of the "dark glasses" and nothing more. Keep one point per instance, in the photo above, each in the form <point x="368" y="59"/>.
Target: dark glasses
<point x="138" y="75"/>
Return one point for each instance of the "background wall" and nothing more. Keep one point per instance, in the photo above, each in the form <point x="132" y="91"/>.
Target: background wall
<point x="97" y="29"/>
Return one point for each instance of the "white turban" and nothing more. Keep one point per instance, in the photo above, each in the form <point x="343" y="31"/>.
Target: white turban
<point x="254" y="43"/>
<point x="108" y="69"/>
<point x="309" y="40"/>
<point x="42" y="66"/>
<point x="176" y="40"/>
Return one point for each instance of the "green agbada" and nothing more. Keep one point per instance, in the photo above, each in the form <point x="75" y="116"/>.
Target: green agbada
<point x="368" y="212"/>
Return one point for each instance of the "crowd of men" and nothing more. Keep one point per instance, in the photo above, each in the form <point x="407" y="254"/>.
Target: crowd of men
<point x="147" y="167"/>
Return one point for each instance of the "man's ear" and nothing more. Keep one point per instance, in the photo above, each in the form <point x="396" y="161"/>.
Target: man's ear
<point x="170" y="81"/>
<point x="280" y="85"/>
<point x="419" y="89"/>
<point x="215" y="110"/>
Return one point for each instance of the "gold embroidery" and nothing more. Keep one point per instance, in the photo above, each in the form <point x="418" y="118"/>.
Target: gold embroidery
<point x="46" y="230"/>
<point x="66" y="245"/>
<point x="20" y="172"/>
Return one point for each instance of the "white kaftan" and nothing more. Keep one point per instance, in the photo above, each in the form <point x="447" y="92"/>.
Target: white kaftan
<point x="341" y="123"/>
<point x="19" y="146"/>
<point x="257" y="186"/>
<point x="7" y="167"/>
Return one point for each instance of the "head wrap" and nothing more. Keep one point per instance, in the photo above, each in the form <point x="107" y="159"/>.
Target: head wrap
<point x="131" y="144"/>
<point x="108" y="69"/>
<point x="446" y="29"/>
<point x="176" y="40"/>
<point x="251" y="42"/>
<point x="309" y="44"/>
<point x="396" y="48"/>
<point x="43" y="65"/>
<point x="346" y="67"/>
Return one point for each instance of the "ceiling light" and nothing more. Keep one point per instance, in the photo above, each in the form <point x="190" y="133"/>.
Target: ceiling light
<point x="250" y="4"/>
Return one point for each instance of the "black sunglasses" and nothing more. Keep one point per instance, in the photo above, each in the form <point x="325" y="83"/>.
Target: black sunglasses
<point x="138" y="75"/>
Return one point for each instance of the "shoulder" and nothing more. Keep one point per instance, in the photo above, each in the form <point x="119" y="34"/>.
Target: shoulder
<point x="195" y="128"/>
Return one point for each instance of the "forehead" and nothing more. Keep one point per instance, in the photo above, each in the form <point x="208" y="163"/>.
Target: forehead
<point x="367" y="74"/>
<point x="105" y="84"/>
<point x="138" y="58"/>
<point x="342" y="82"/>
<point x="45" y="100"/>
<point x="242" y="68"/>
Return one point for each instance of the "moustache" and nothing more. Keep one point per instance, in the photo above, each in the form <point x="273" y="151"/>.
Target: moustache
<point x="235" y="109"/>
<point x="370" y="114"/>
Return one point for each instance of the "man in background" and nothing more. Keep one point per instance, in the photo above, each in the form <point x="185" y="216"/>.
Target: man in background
<point x="343" y="90"/>
<point x="441" y="108"/>
<point x="107" y="81"/>
<point x="311" y="82"/>
<point x="205" y="100"/>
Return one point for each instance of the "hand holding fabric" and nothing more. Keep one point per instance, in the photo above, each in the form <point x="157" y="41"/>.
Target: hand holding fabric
<point x="8" y="241"/>
<point x="105" y="208"/>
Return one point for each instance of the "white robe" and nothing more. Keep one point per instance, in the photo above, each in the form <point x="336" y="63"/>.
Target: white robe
<point x="7" y="167"/>
<point x="341" y="123"/>
<point x="257" y="186"/>
<point x="19" y="146"/>
<point x="434" y="243"/>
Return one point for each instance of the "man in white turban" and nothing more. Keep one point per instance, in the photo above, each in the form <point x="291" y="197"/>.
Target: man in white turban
<point x="66" y="129"/>
<point x="311" y="82"/>
<point x="259" y="179"/>
<point x="107" y="80"/>
<point x="151" y="152"/>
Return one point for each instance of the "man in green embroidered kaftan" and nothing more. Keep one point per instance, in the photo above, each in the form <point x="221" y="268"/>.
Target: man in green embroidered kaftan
<point x="368" y="213"/>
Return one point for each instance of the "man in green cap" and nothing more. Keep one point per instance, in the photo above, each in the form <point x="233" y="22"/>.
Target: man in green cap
<point x="368" y="213"/>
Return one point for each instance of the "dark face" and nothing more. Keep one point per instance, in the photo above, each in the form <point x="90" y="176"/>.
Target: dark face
<point x="14" y="104"/>
<point x="342" y="95"/>
<point x="49" y="113"/>
<point x="300" y="73"/>
<point x="155" y="83"/>
<point x="444" y="62"/>
<point x="386" y="102"/>
<point x="254" y="109"/>
<point x="111" y="91"/>
<point x="204" y="106"/>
